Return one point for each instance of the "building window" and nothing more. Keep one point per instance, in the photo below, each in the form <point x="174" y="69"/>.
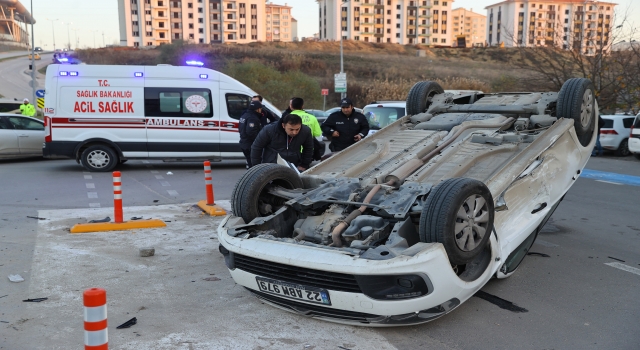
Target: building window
<point x="160" y="13"/>
<point x="148" y="23"/>
<point x="134" y="12"/>
<point x="190" y="15"/>
<point x="200" y="30"/>
<point x="149" y="34"/>
<point x="230" y="36"/>
<point x="176" y="15"/>
<point x="136" y="33"/>
<point x="215" y="36"/>
<point x="190" y="36"/>
<point x="215" y="27"/>
<point x="200" y="20"/>
<point x="149" y="43"/>
<point x="200" y="10"/>
<point x="229" y="26"/>
<point x="176" y="25"/>
<point x="136" y="44"/>
<point x="161" y="24"/>
<point x="190" y="25"/>
<point x="190" y="5"/>
<point x="444" y="41"/>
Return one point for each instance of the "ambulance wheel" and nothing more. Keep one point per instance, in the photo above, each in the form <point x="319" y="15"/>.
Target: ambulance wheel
<point x="251" y="198"/>
<point x="99" y="158"/>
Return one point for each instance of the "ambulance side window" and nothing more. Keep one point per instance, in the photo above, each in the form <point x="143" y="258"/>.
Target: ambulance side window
<point x="237" y="104"/>
<point x="177" y="102"/>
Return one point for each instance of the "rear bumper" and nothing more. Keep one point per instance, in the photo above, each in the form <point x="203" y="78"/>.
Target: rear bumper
<point x="59" y="149"/>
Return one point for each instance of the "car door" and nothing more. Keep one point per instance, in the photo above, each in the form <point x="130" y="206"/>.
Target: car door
<point x="8" y="139"/>
<point x="236" y="104"/>
<point x="30" y="134"/>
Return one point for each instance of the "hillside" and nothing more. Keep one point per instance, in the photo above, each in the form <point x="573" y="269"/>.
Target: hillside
<point x="374" y="71"/>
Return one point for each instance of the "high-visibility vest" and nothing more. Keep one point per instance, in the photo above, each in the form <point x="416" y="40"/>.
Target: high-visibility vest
<point x="29" y="110"/>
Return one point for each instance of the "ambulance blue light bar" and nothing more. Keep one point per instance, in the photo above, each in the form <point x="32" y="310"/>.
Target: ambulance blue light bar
<point x="73" y="74"/>
<point x="204" y="76"/>
<point x="137" y="74"/>
<point x="195" y="63"/>
<point x="65" y="74"/>
<point x="63" y="59"/>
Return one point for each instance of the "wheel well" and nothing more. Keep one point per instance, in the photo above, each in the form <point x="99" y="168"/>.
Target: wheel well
<point x="94" y="142"/>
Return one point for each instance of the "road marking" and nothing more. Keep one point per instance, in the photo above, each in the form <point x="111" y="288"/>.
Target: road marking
<point x="88" y="177"/>
<point x="159" y="177"/>
<point x="92" y="194"/>
<point x="165" y="183"/>
<point x="172" y="193"/>
<point x="609" y="182"/>
<point x="545" y="243"/>
<point x="94" y="205"/>
<point x="624" y="267"/>
<point x="90" y="185"/>
<point x="612" y="177"/>
<point x="154" y="171"/>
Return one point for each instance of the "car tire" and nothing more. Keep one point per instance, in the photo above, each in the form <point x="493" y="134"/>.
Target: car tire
<point x="576" y="100"/>
<point x="623" y="148"/>
<point x="419" y="97"/>
<point x="99" y="158"/>
<point x="250" y="199"/>
<point x="441" y="219"/>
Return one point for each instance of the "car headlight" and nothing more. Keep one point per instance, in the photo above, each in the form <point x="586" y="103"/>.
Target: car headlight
<point x="394" y="287"/>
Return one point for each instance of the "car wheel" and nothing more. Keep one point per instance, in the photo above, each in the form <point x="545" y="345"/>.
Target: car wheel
<point x="420" y="95"/>
<point x="623" y="149"/>
<point x="99" y="158"/>
<point x="250" y="197"/>
<point x="576" y="100"/>
<point x="459" y="214"/>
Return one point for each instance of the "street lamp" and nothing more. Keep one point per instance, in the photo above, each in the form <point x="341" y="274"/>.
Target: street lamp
<point x="53" y="33"/>
<point x="342" y="94"/>
<point x="94" y="38"/>
<point x="68" y="35"/>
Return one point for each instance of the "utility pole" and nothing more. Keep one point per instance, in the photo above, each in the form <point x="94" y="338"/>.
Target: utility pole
<point x="53" y="33"/>
<point x="68" y="35"/>
<point x="33" y="61"/>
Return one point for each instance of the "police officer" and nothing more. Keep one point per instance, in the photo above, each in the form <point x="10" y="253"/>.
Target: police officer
<point x="267" y="117"/>
<point x="345" y="127"/>
<point x="250" y="126"/>
<point x="27" y="108"/>
<point x="296" y="105"/>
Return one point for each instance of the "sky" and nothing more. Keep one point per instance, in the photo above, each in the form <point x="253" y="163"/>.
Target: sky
<point x="95" y="22"/>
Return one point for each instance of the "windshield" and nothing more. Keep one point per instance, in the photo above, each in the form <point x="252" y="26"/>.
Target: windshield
<point x="379" y="117"/>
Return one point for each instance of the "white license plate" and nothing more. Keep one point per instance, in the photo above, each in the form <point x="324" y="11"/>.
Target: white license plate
<point x="294" y="291"/>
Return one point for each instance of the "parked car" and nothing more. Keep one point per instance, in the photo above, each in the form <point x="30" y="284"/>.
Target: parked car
<point x="614" y="135"/>
<point x="382" y="113"/>
<point x="35" y="55"/>
<point x="38" y="49"/>
<point x="319" y="114"/>
<point x="634" y="137"/>
<point x="409" y="223"/>
<point x="336" y="109"/>
<point x="9" y="106"/>
<point x="20" y="136"/>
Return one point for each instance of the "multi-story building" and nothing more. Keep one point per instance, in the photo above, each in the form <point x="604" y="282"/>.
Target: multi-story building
<point x="156" y="22"/>
<point x="14" y="19"/>
<point x="387" y="21"/>
<point x="279" y="22"/>
<point x="583" y="25"/>
<point x="469" y="28"/>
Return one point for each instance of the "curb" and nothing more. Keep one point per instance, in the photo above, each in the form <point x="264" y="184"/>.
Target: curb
<point x="112" y="226"/>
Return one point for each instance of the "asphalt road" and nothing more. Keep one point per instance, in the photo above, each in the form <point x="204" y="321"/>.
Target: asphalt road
<point x="572" y="298"/>
<point x="15" y="82"/>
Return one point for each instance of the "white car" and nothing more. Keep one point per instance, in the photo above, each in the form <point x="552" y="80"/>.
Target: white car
<point x="634" y="137"/>
<point x="382" y="113"/>
<point x="614" y="135"/>
<point x="409" y="223"/>
<point x="20" y="136"/>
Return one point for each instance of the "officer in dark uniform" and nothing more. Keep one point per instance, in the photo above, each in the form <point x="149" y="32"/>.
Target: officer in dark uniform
<point x="345" y="127"/>
<point x="250" y="126"/>
<point x="266" y="116"/>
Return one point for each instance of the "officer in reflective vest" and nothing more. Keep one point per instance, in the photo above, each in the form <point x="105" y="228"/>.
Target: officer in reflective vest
<point x="27" y="108"/>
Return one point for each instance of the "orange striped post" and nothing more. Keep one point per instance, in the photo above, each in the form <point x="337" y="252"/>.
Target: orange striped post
<point x="208" y="182"/>
<point x="95" y="319"/>
<point x="117" y="196"/>
<point x="209" y="206"/>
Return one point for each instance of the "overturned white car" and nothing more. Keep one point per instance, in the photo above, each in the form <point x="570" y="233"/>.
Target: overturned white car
<point x="404" y="226"/>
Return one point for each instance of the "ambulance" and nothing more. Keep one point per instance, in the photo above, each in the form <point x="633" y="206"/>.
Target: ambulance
<point x="103" y="115"/>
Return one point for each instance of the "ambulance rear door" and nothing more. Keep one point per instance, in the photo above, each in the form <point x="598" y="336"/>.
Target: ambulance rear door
<point x="180" y="112"/>
<point x="100" y="104"/>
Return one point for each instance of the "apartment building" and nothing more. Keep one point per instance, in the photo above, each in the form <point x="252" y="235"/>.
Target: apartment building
<point x="156" y="22"/>
<point x="469" y="28"/>
<point x="279" y="22"/>
<point x="583" y="25"/>
<point x="387" y="21"/>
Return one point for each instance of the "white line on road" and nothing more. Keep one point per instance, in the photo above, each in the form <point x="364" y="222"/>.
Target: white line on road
<point x="609" y="182"/>
<point x="88" y="177"/>
<point x="90" y="185"/>
<point x="624" y="267"/>
<point x="165" y="183"/>
<point x="154" y="171"/>
<point x="159" y="177"/>
<point x="94" y="205"/>
<point x="92" y="194"/>
<point x="172" y="193"/>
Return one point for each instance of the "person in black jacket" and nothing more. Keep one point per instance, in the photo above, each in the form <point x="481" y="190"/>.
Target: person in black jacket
<point x="250" y="126"/>
<point x="345" y="127"/>
<point x="285" y="138"/>
<point x="597" y="148"/>
<point x="267" y="116"/>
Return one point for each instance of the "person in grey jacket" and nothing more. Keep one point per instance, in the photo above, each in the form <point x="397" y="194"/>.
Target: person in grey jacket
<point x="289" y="138"/>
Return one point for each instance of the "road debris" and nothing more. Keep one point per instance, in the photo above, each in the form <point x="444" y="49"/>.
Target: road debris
<point x="35" y="217"/>
<point x="16" y="278"/>
<point x="128" y="324"/>
<point x="35" y="300"/>
<point x="107" y="219"/>
<point x="539" y="254"/>
<point x="610" y="257"/>
<point x="211" y="279"/>
<point x="149" y="251"/>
